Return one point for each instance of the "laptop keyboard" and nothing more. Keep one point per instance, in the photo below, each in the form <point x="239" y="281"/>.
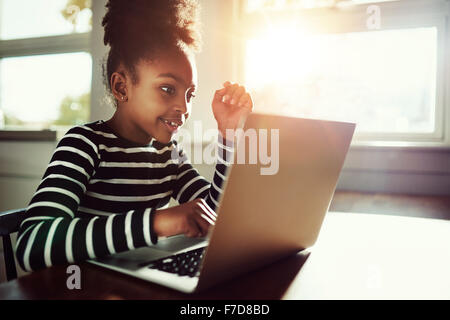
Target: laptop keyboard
<point x="184" y="264"/>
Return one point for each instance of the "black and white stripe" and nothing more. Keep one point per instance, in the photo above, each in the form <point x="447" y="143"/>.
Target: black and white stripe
<point x="96" y="194"/>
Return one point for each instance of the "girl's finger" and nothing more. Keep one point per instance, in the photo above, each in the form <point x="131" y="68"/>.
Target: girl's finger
<point x="249" y="105"/>
<point x="193" y="228"/>
<point x="218" y="95"/>
<point x="202" y="221"/>
<point x="222" y="91"/>
<point x="237" y="95"/>
<point x="227" y="84"/>
<point x="245" y="98"/>
<point x="229" y="93"/>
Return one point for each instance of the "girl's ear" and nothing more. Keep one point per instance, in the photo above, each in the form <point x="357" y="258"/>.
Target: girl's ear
<point x="119" y="86"/>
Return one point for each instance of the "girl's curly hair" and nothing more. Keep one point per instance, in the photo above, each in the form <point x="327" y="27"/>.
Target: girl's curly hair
<point x="139" y="29"/>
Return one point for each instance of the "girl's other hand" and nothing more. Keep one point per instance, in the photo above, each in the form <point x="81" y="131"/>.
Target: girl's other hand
<point x="192" y="219"/>
<point x="229" y="104"/>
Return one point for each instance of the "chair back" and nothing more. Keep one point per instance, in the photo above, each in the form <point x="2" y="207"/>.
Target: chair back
<point x="9" y="223"/>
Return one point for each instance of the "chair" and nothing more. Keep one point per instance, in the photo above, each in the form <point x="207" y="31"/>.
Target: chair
<point x="9" y="223"/>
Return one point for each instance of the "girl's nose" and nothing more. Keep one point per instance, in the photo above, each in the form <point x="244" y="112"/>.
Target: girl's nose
<point x="183" y="107"/>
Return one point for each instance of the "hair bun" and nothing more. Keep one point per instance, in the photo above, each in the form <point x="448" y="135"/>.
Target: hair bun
<point x="136" y="29"/>
<point x="152" y="23"/>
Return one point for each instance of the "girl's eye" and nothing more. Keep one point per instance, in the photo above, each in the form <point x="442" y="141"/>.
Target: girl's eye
<point x="168" y="89"/>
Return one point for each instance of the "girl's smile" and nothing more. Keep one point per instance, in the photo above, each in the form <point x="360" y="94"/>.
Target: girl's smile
<point x="172" y="124"/>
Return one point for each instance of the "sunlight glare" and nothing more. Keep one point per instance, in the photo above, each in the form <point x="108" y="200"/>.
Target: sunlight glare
<point x="383" y="80"/>
<point x="281" y="54"/>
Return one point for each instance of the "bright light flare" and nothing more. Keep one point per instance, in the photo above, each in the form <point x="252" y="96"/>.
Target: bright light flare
<point x="383" y="80"/>
<point x="281" y="54"/>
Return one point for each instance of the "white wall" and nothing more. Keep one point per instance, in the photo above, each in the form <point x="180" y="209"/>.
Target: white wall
<point x="397" y="170"/>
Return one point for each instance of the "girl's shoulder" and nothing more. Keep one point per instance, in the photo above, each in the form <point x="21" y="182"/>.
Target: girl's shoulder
<point x="92" y="130"/>
<point x="93" y="133"/>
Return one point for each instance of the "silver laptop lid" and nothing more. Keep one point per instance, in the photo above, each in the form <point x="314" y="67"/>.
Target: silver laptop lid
<point x="270" y="209"/>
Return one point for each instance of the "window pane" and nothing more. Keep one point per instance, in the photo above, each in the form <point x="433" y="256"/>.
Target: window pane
<point x="383" y="80"/>
<point x="38" y="18"/>
<point x="40" y="91"/>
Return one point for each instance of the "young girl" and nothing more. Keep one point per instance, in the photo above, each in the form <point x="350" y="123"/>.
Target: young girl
<point x="106" y="179"/>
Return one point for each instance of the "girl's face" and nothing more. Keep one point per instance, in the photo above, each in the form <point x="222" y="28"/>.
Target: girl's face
<point x="161" y="100"/>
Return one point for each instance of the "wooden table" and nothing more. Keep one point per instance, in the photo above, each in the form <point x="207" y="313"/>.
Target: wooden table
<point x="357" y="256"/>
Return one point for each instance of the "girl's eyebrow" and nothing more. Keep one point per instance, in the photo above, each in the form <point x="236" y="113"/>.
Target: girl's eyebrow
<point x="175" y="77"/>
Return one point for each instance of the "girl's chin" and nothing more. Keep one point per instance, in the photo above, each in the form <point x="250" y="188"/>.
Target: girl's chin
<point x="166" y="133"/>
<point x="164" y="137"/>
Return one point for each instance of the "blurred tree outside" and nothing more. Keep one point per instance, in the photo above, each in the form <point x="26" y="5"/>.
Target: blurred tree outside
<point x="11" y="120"/>
<point x="73" y="8"/>
<point x="74" y="110"/>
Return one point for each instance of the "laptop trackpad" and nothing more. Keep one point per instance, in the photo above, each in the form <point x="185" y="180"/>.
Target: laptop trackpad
<point x="135" y="259"/>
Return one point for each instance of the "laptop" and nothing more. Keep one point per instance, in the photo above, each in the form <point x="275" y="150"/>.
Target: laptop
<point x="266" y="212"/>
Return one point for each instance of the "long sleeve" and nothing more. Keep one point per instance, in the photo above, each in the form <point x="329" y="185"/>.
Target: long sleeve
<point x="191" y="185"/>
<point x="52" y="233"/>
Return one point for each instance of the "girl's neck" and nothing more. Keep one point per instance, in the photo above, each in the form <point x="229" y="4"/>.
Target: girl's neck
<point x="126" y="129"/>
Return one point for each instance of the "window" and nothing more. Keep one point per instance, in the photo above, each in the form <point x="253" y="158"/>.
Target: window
<point x="328" y="64"/>
<point x="57" y="89"/>
<point x="30" y="19"/>
<point x="45" y="64"/>
<point x="366" y="77"/>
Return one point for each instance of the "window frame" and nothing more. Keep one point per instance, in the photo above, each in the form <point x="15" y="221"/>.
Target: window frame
<point x="78" y="42"/>
<point x="394" y="15"/>
<point x="55" y="44"/>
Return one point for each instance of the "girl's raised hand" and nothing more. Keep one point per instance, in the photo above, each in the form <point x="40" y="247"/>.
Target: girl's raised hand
<point x="229" y="104"/>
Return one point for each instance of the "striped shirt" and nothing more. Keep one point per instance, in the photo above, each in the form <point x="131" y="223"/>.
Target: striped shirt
<point x="95" y="196"/>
